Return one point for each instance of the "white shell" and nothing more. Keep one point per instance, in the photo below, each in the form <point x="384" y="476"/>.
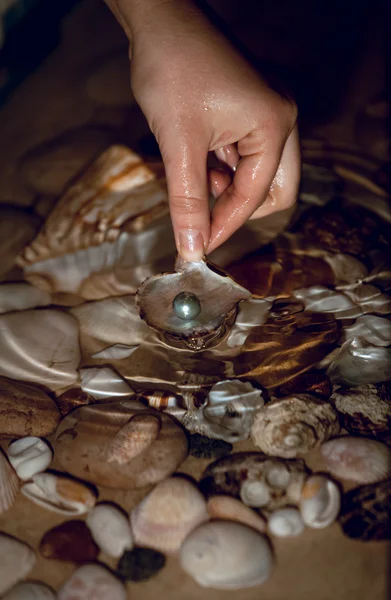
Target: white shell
<point x="28" y="355"/>
<point x="21" y="296"/>
<point x="285" y="522"/>
<point x="320" y="502"/>
<point x="228" y="508"/>
<point x="17" y="560"/>
<point x="370" y="299"/>
<point x="255" y="493"/>
<point x="226" y="555"/>
<point x="116" y="352"/>
<point x="29" y="456"/>
<point x="357" y="459"/>
<point x="374" y="330"/>
<point x="103" y="383"/>
<point x="250" y="313"/>
<point x="94" y="582"/>
<point x="59" y="494"/>
<point x="30" y="591"/>
<point x="110" y="529"/>
<point x="321" y="299"/>
<point x="358" y="363"/>
<point x="9" y="484"/>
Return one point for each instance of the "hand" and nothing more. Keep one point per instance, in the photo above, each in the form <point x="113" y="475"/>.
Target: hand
<point x="200" y="95"/>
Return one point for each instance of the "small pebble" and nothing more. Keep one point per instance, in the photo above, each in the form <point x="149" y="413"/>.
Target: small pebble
<point x="140" y="564"/>
<point x="69" y="542"/>
<point x="72" y="399"/>
<point x="203" y="447"/>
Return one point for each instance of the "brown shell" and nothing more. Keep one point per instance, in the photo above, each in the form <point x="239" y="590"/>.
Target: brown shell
<point x="365" y="513"/>
<point x="71" y="399"/>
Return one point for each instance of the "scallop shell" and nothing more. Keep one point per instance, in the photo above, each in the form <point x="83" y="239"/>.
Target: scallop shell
<point x="59" y="494"/>
<point x="134" y="438"/>
<point x="374" y="330"/>
<point x="103" y="382"/>
<point x="320" y="502"/>
<point x="219" y="295"/>
<point x="92" y="581"/>
<point x="227" y="508"/>
<point x="168" y="514"/>
<point x="365" y="513"/>
<point x="226" y="555"/>
<point x="85" y="435"/>
<point x="285" y="522"/>
<point x="110" y="529"/>
<point x="9" y="484"/>
<point x="359" y="363"/>
<point x="29" y="591"/>
<point x="232" y="474"/>
<point x="29" y="456"/>
<point x="293" y="426"/>
<point x="21" y="296"/>
<point x="321" y="299"/>
<point x="357" y="459"/>
<point x="17" y="559"/>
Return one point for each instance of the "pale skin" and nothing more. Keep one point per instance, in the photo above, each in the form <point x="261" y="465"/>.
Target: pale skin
<point x="200" y="95"/>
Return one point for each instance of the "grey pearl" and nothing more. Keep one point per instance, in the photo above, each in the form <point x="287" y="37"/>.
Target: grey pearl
<point x="186" y="306"/>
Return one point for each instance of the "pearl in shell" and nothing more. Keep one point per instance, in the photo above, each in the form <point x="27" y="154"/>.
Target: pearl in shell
<point x="186" y="306"/>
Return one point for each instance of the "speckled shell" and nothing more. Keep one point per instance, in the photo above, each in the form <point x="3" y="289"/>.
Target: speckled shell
<point x="29" y="456"/>
<point x="17" y="559"/>
<point x="227" y="508"/>
<point x="231" y="474"/>
<point x="9" y="484"/>
<point x="110" y="529"/>
<point x="59" y="494"/>
<point x="365" y="513"/>
<point x="285" y="522"/>
<point x="293" y="426"/>
<point x="320" y="502"/>
<point x="85" y="436"/>
<point x="168" y="514"/>
<point x="226" y="555"/>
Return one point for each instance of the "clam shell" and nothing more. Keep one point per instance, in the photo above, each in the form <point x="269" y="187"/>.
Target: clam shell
<point x="9" y="484"/>
<point x="218" y="294"/>
<point x="227" y="508"/>
<point x="110" y="529"/>
<point x="374" y="330"/>
<point x="320" y="502"/>
<point x="29" y="456"/>
<point x="103" y="382"/>
<point x="168" y="514"/>
<point x="17" y="559"/>
<point x="134" y="438"/>
<point x="293" y="426"/>
<point x="59" y="494"/>
<point x="21" y="296"/>
<point x="226" y="555"/>
<point x="357" y="459"/>
<point x="285" y="522"/>
<point x="92" y="581"/>
<point x="29" y="591"/>
<point x="359" y="363"/>
<point x="365" y="513"/>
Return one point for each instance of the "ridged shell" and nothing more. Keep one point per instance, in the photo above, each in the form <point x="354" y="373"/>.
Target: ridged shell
<point x="359" y="363"/>
<point x="29" y="591"/>
<point x="134" y="438"/>
<point x="110" y="529"/>
<point x="29" y="456"/>
<point x="226" y="555"/>
<point x="374" y="330"/>
<point x="320" y="502"/>
<point x="59" y="494"/>
<point x="103" y="382"/>
<point x="92" y="581"/>
<point x="365" y="513"/>
<point x="293" y="426"/>
<point x="227" y="508"/>
<point x="357" y="459"/>
<point x="17" y="559"/>
<point x="168" y="514"/>
<point x="285" y="522"/>
<point x="9" y="484"/>
<point x="21" y="296"/>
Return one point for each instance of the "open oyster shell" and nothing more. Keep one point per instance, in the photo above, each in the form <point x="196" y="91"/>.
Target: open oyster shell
<point x="216" y="291"/>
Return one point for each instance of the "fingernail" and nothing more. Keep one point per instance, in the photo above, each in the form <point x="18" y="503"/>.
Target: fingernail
<point x="191" y="245"/>
<point x="227" y="156"/>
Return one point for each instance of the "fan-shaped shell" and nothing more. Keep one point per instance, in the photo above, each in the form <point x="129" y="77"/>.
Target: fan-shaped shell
<point x="293" y="426"/>
<point x="9" y="484"/>
<point x="357" y="459"/>
<point x="17" y="559"/>
<point x="167" y="515"/>
<point x="226" y="555"/>
<point x="59" y="494"/>
<point x="285" y="522"/>
<point x="110" y="529"/>
<point x="29" y="456"/>
<point x="320" y="502"/>
<point x="227" y="508"/>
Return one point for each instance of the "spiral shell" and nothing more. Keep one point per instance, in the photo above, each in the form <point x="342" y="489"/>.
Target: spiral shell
<point x="320" y="502"/>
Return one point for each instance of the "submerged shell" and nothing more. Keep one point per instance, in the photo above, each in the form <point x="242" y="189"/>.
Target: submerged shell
<point x="21" y="296"/>
<point x="92" y="581"/>
<point x="110" y="529"/>
<point x="359" y="362"/>
<point x="17" y="228"/>
<point x="103" y="382"/>
<point x="86" y="434"/>
<point x="71" y="399"/>
<point x="9" y="484"/>
<point x="293" y="426"/>
<point x="365" y="513"/>
<point x="250" y="314"/>
<point x="357" y="459"/>
<point x="116" y="352"/>
<point x="30" y="591"/>
<point x="134" y="438"/>
<point x="370" y="299"/>
<point x="320" y="502"/>
<point x="168" y="514"/>
<point x="29" y="456"/>
<point x="161" y="400"/>
<point x="321" y="299"/>
<point x="59" y="494"/>
<point x="374" y="330"/>
<point x="217" y="292"/>
<point x="17" y="559"/>
<point x="226" y="555"/>
<point x="227" y="508"/>
<point x="285" y="522"/>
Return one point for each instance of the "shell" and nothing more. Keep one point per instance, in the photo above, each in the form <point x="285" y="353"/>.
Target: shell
<point x="365" y="410"/>
<point x="161" y="400"/>
<point x="70" y="541"/>
<point x="134" y="438"/>
<point x="370" y="299"/>
<point x="255" y="493"/>
<point x="103" y="382"/>
<point x="30" y="356"/>
<point x="168" y="514"/>
<point x="92" y="581"/>
<point x="359" y="363"/>
<point x="21" y="296"/>
<point x="226" y="555"/>
<point x="232" y="474"/>
<point x="321" y="299"/>
<point x="17" y="560"/>
<point x="17" y="228"/>
<point x="320" y="502"/>
<point x="29" y="591"/>
<point x="29" y="456"/>
<point x="71" y="399"/>
<point x="250" y="314"/>
<point x="85" y="435"/>
<point x="294" y="425"/>
<point x="285" y="522"/>
<point x="110" y="529"/>
<point x="357" y="459"/>
<point x="374" y="330"/>
<point x="347" y="269"/>
<point x="116" y="352"/>
<point x="219" y="295"/>
<point x="227" y="508"/>
<point x="59" y="494"/>
<point x="9" y="484"/>
<point x="365" y="513"/>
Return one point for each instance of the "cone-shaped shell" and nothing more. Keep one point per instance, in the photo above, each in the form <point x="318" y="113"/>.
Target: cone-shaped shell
<point x="320" y="502"/>
<point x="59" y="494"/>
<point x="9" y="484"/>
